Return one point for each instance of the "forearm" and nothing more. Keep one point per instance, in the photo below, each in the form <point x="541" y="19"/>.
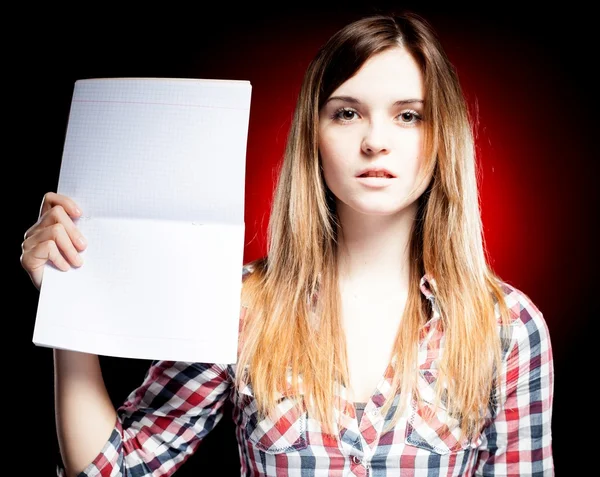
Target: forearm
<point x="85" y="416"/>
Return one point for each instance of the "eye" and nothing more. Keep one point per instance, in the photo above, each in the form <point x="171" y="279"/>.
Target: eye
<point x="410" y="117"/>
<point x="345" y="114"/>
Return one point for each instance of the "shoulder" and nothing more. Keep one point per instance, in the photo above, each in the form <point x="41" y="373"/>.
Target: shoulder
<point x="527" y="327"/>
<point x="522" y="308"/>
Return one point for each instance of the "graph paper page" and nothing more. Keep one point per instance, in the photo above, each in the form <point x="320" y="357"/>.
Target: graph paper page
<point x="158" y="168"/>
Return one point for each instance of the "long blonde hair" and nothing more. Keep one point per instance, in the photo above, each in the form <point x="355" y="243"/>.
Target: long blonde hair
<point x="292" y="328"/>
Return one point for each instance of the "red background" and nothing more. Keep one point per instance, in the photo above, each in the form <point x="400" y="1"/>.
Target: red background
<point x="525" y="73"/>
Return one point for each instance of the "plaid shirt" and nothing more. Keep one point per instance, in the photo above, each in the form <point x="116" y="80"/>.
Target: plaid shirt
<point x="164" y="420"/>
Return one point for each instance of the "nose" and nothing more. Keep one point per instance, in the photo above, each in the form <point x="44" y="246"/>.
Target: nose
<point x="375" y="140"/>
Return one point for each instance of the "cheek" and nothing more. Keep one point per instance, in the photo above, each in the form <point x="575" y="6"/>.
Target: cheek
<point x="329" y="169"/>
<point x="332" y="157"/>
<point x="412" y="153"/>
<point x="410" y="143"/>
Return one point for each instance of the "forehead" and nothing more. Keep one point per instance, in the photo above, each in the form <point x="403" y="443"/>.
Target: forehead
<point x="393" y="72"/>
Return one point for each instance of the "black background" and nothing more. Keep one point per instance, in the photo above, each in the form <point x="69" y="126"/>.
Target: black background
<point x="50" y="49"/>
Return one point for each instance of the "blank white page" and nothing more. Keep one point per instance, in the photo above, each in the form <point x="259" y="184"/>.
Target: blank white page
<point x="158" y="168"/>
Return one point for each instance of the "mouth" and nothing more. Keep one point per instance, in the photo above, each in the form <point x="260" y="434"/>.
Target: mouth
<point x="376" y="179"/>
<point x="378" y="174"/>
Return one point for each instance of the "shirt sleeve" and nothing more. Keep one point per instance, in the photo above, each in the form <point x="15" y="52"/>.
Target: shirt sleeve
<point x="163" y="421"/>
<point x="518" y="440"/>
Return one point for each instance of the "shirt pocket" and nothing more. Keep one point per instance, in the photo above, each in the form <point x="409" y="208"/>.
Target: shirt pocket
<point x="284" y="430"/>
<point x="430" y="427"/>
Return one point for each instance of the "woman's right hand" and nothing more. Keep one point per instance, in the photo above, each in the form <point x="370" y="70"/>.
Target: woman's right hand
<point x="53" y="238"/>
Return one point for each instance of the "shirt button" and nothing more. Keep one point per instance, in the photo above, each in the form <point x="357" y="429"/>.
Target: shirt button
<point x="374" y="412"/>
<point x="356" y="459"/>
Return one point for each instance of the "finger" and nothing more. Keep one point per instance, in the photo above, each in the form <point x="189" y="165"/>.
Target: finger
<point x="58" y="215"/>
<point x="52" y="199"/>
<point x="34" y="259"/>
<point x="54" y="233"/>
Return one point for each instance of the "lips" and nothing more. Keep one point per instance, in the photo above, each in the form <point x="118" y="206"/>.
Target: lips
<point x="376" y="172"/>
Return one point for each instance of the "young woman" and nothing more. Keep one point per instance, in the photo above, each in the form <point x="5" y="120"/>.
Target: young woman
<point x="374" y="337"/>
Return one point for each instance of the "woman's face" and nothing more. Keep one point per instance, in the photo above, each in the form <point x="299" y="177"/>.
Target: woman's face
<point x="371" y="136"/>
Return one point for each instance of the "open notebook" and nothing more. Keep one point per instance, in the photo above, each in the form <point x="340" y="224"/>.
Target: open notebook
<point x="158" y="168"/>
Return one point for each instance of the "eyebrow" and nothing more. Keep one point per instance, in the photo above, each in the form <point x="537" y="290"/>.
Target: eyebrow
<point x="350" y="99"/>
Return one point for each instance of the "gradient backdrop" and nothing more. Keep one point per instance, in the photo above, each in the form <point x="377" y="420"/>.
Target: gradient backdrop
<point x="524" y="72"/>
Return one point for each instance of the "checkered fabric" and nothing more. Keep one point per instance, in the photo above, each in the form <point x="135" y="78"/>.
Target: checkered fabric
<point x="164" y="420"/>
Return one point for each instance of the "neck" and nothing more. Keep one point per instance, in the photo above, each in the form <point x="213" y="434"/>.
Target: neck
<point x="374" y="249"/>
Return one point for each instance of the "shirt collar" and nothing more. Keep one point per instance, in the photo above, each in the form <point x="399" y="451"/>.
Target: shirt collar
<point x="428" y="286"/>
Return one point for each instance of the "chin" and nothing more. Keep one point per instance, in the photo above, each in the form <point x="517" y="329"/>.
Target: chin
<point x="375" y="208"/>
<point x="378" y="211"/>
<point x="381" y="213"/>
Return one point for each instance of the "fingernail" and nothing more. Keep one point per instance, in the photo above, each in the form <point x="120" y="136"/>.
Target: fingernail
<point x="82" y="241"/>
<point x="77" y="211"/>
<point x="78" y="260"/>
